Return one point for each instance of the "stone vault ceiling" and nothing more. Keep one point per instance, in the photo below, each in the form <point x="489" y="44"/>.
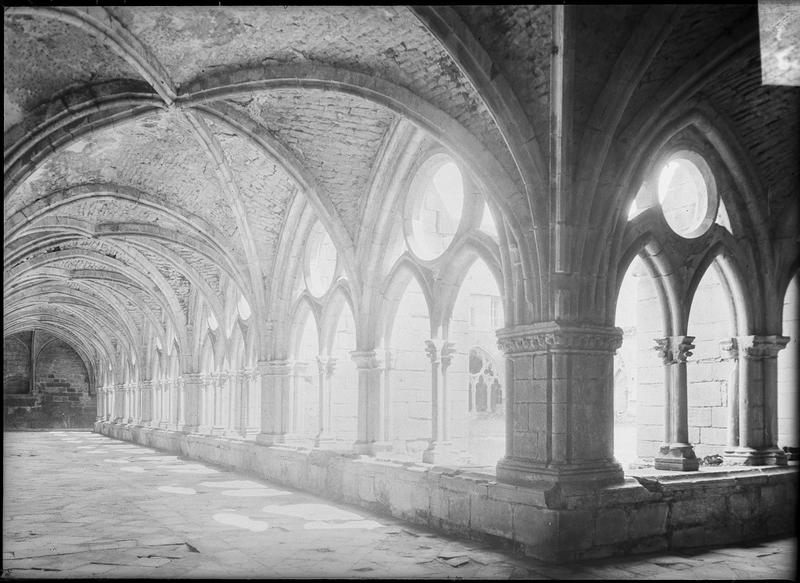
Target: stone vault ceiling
<point x="152" y="154"/>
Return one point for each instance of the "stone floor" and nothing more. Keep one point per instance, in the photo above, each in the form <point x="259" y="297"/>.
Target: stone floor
<point x="78" y="504"/>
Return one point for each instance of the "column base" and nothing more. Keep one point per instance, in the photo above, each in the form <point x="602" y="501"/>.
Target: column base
<point x="371" y="447"/>
<point x="677" y="457"/>
<point x="439" y="452"/>
<point x="594" y="474"/>
<point x="748" y="456"/>
<point x="217" y="430"/>
<point x="278" y="438"/>
<point x="189" y="429"/>
<point x="325" y="439"/>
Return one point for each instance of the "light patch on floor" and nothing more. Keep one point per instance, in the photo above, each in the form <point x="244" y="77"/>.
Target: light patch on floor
<point x="313" y="512"/>
<point x="254" y="492"/>
<point x="116" y="461"/>
<point x="158" y="458"/>
<point x="232" y="484"/>
<point x="187" y="469"/>
<point x="363" y="524"/>
<point x="241" y="521"/>
<point x="72" y="440"/>
<point x="135" y="469"/>
<point x="177" y="490"/>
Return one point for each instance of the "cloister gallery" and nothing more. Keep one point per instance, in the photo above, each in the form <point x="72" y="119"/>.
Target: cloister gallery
<point x="527" y="272"/>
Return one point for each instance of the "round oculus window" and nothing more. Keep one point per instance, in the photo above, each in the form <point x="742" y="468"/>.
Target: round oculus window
<point x="433" y="213"/>
<point x="687" y="194"/>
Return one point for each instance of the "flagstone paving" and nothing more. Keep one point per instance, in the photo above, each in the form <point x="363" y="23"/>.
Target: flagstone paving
<point x="74" y="507"/>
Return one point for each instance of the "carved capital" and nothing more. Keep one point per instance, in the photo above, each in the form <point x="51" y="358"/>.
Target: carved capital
<point x="366" y="359"/>
<point x="729" y="349"/>
<point x="274" y="367"/>
<point x="674" y="349"/>
<point x="758" y="347"/>
<point x="326" y="365"/>
<point x="547" y="336"/>
<point x="440" y="351"/>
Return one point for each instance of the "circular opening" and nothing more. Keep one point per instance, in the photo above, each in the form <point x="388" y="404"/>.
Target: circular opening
<point x="685" y="192"/>
<point x="436" y="201"/>
<point x="320" y="263"/>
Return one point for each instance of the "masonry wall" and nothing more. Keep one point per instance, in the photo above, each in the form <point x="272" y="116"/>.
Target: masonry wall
<point x="638" y="516"/>
<point x="60" y="395"/>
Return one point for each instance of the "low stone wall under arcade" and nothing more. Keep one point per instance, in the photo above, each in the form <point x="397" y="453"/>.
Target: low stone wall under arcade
<point x="669" y="511"/>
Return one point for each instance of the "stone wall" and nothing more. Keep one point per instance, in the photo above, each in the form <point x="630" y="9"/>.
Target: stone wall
<point x="548" y="522"/>
<point x="60" y="395"/>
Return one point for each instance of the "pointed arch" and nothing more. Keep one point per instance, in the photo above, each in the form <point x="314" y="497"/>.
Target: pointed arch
<point x="393" y="290"/>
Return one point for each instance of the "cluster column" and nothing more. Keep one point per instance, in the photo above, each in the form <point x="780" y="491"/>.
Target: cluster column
<point x="190" y="403"/>
<point x="219" y="383"/>
<point x="440" y="353"/>
<point x="758" y="401"/>
<point x="146" y="392"/>
<point x="326" y="365"/>
<point x="676" y="453"/>
<point x="559" y="409"/>
<point x="371" y="403"/>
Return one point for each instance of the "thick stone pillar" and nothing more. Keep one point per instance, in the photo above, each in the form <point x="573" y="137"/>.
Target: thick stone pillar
<point x="676" y="453"/>
<point x="190" y="403"/>
<point x="276" y="402"/>
<point x="758" y="402"/>
<point x="371" y="403"/>
<point x="729" y="351"/>
<point x="440" y="354"/>
<point x="326" y="365"/>
<point x="146" y="390"/>
<point x="560" y="404"/>
<point x="176" y="388"/>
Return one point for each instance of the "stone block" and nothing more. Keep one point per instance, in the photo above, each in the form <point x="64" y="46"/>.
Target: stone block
<point x="697" y="510"/>
<point x="523" y="367"/>
<point x="648" y="520"/>
<point x="694" y="536"/>
<point x="534" y="526"/>
<point x="575" y="529"/>
<point x="743" y="505"/>
<point x="610" y="526"/>
<point x="491" y="516"/>
<point x="700" y="416"/>
<point x="540" y="367"/>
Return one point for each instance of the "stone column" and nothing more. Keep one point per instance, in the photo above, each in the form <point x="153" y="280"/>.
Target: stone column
<point x="325" y="368"/>
<point x="729" y="351"/>
<point x="146" y="390"/>
<point x="676" y="453"/>
<point x="439" y="450"/>
<point x="299" y="370"/>
<point x="219" y="388"/>
<point x="560" y="404"/>
<point x="204" y="408"/>
<point x="100" y="404"/>
<point x="371" y="399"/>
<point x="277" y="424"/>
<point x="758" y="402"/>
<point x="119" y="403"/>
<point x="190" y="405"/>
<point x="176" y="387"/>
<point x="251" y="410"/>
